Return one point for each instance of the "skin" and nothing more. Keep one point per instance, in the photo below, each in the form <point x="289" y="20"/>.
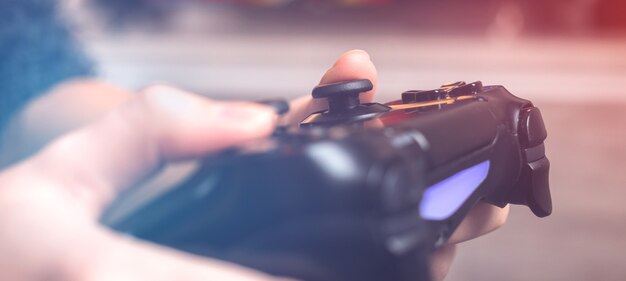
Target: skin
<point x="50" y="203"/>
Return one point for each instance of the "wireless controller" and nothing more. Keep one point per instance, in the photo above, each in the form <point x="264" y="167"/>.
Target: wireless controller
<point x="358" y="191"/>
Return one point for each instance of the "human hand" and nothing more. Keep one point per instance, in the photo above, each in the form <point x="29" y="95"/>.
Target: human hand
<point x="50" y="203"/>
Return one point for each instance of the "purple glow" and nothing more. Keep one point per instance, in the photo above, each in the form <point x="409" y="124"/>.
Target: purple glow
<point x="444" y="198"/>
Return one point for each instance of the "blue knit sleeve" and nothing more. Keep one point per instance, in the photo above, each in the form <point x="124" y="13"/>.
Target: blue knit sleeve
<point x="36" y="51"/>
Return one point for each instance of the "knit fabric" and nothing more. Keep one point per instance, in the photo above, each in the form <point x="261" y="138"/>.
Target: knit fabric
<point x="36" y="52"/>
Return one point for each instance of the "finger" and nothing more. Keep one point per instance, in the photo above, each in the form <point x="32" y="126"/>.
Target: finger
<point x="121" y="258"/>
<point x="440" y="262"/>
<point x="131" y="142"/>
<point x="46" y="236"/>
<point x="482" y="219"/>
<point x="355" y="64"/>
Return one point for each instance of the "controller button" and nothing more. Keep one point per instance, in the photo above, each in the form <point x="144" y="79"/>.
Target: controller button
<point x="466" y="90"/>
<point x="533" y="131"/>
<point x="423" y="96"/>
<point x="535" y="153"/>
<point x="538" y="197"/>
<point x="452" y="85"/>
<point x="409" y="96"/>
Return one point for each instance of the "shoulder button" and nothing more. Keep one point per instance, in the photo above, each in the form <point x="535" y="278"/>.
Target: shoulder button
<point x="532" y="130"/>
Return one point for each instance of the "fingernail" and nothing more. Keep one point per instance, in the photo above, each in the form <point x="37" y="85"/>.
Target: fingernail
<point x="359" y="52"/>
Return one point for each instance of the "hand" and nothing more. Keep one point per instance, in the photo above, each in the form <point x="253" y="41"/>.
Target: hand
<point x="50" y="203"/>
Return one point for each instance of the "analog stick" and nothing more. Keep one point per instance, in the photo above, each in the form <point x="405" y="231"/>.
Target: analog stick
<point x="342" y="96"/>
<point x="344" y="105"/>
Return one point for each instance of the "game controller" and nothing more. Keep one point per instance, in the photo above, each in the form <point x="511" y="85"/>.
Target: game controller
<point x="359" y="191"/>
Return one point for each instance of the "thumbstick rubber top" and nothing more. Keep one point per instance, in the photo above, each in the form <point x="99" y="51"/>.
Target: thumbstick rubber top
<point x="346" y="88"/>
<point x="342" y="96"/>
<point x="344" y="105"/>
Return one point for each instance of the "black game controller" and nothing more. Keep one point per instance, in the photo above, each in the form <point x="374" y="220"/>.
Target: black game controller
<point x="359" y="191"/>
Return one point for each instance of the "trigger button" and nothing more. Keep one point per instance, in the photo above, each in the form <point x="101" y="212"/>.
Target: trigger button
<point x="466" y="90"/>
<point x="416" y="96"/>
<point x="539" y="198"/>
<point x="535" y="153"/>
<point x="533" y="131"/>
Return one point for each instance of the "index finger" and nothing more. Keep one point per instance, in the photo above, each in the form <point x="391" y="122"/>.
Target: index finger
<point x="97" y="162"/>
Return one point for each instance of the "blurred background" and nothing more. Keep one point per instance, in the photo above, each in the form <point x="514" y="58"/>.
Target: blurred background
<point x="568" y="56"/>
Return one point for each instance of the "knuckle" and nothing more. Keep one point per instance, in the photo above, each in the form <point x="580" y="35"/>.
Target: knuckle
<point x="154" y="99"/>
<point x="151" y="96"/>
<point x="155" y="88"/>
